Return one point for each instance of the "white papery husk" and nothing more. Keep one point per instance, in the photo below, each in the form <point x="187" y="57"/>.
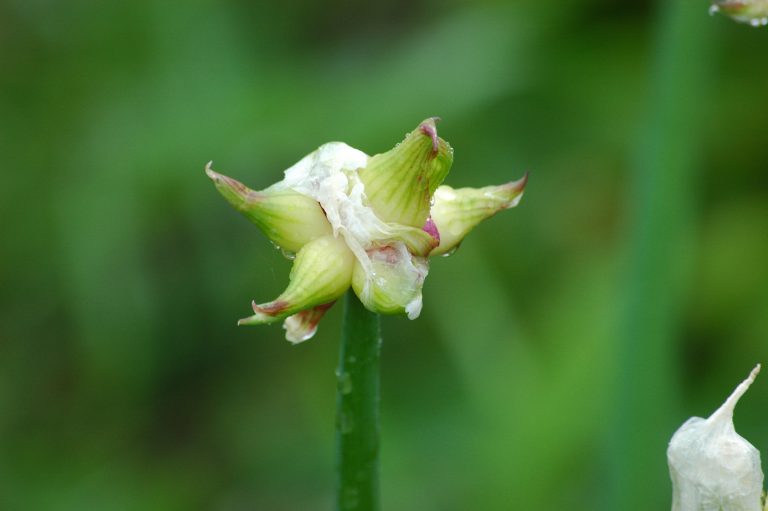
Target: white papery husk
<point x="712" y="467"/>
<point x="329" y="175"/>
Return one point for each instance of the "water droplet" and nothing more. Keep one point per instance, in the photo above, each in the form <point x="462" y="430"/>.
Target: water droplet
<point x="350" y="498"/>
<point x="450" y="252"/>
<point x="286" y="253"/>
<point x="344" y="382"/>
<point x="346" y="423"/>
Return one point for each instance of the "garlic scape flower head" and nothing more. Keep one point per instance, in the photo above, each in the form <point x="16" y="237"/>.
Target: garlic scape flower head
<point x="753" y="12"/>
<point x="712" y="467"/>
<point x="369" y="222"/>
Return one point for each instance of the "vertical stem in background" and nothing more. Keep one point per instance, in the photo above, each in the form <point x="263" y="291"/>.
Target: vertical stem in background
<point x="659" y="251"/>
<point x="357" y="415"/>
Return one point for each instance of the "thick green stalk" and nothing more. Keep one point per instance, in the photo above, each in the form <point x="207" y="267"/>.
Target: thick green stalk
<point x="357" y="415"/>
<point x="660" y="247"/>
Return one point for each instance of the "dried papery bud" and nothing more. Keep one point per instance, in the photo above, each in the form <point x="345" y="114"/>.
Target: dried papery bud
<point x="399" y="184"/>
<point x="458" y="211"/>
<point x="712" y="467"/>
<point x="289" y="219"/>
<point x="753" y="12"/>
<point x="302" y="326"/>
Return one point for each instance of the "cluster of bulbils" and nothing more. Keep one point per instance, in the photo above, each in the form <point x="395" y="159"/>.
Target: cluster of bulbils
<point x="753" y="12"/>
<point x="369" y="222"/>
<point x="712" y="467"/>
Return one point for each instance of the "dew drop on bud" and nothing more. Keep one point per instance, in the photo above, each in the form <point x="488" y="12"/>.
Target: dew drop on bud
<point x="450" y="252"/>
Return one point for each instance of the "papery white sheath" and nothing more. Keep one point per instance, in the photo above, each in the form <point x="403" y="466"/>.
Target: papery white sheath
<point x="712" y="467"/>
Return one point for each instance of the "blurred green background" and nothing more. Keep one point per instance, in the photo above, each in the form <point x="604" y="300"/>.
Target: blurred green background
<point x="558" y="350"/>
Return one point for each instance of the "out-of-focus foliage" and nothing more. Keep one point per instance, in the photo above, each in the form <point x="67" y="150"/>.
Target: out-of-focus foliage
<point x="124" y="383"/>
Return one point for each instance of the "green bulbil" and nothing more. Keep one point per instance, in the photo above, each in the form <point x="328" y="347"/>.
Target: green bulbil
<point x="457" y="211"/>
<point x="321" y="273"/>
<point x="289" y="219"/>
<point x="393" y="283"/>
<point x="400" y="183"/>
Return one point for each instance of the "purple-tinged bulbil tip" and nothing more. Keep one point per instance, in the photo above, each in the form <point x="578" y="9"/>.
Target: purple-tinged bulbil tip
<point x="210" y="172"/>
<point x="271" y="308"/>
<point x="520" y="184"/>
<point x="233" y="190"/>
<point x="429" y="128"/>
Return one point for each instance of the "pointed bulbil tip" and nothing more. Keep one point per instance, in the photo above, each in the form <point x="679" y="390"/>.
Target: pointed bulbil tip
<point x="726" y="410"/>
<point x="235" y="192"/>
<point x="266" y="313"/>
<point x="512" y="192"/>
<point x="256" y="319"/>
<point x="271" y="308"/>
<point x="210" y="172"/>
<point x="519" y="185"/>
<point x="222" y="180"/>
<point x="429" y="128"/>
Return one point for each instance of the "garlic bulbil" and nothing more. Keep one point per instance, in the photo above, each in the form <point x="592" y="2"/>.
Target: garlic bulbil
<point x="712" y="467"/>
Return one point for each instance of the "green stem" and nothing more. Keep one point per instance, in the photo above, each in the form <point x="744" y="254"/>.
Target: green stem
<point x="357" y="416"/>
<point x="660" y="249"/>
